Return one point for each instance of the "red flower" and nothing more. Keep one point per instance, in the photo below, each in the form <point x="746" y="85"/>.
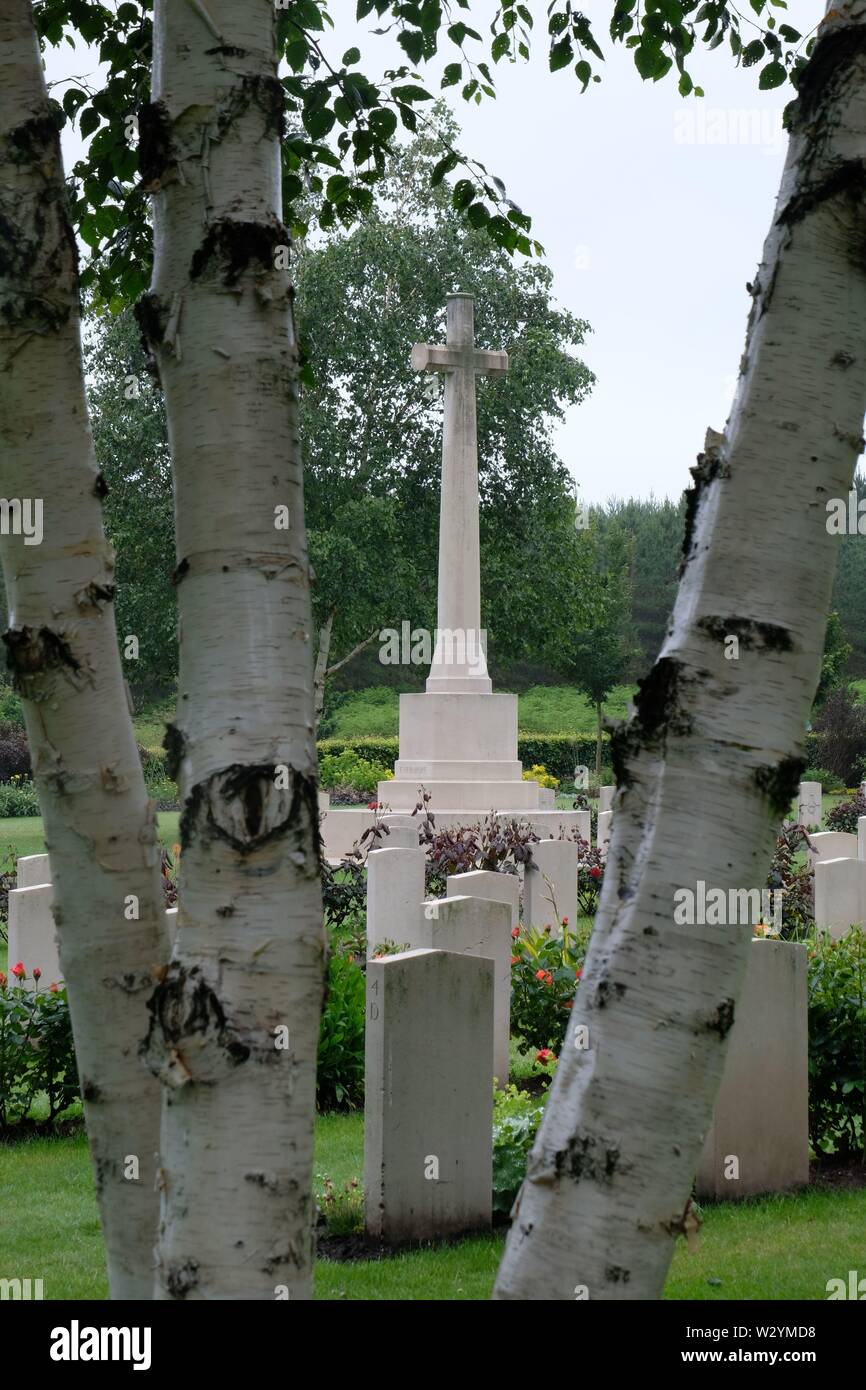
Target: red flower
<point x="565" y="921"/>
<point x="18" y="970"/>
<point x="2" y="980"/>
<point x="577" y="974"/>
<point x="515" y="960"/>
<point x="54" y="988"/>
<point x="545" y="1055"/>
<point x="372" y="805"/>
<point x="539" y="974"/>
<point x="567" y="1003"/>
<point x="548" y="979"/>
<point x="37" y="973"/>
<point x="595" y="872"/>
<point x="515" y="932"/>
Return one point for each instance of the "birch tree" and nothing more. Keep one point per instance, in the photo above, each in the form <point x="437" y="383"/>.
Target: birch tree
<point x="61" y="647"/>
<point x="235" y="1020"/>
<point x="712" y="757"/>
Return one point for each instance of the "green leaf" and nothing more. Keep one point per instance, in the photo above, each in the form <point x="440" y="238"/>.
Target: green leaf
<point x="351" y="57"/>
<point x="88" y="121"/>
<point x="500" y="46"/>
<point x="442" y="168"/>
<point x="452" y="75"/>
<point x="463" y="195"/>
<point x="773" y="75"/>
<point x="561" y="54"/>
<point x="583" y="72"/>
<point x="752" y="53"/>
<point x="412" y="43"/>
<point x="684" y="85"/>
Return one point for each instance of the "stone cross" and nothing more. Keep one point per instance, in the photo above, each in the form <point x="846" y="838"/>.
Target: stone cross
<point x="459" y="660"/>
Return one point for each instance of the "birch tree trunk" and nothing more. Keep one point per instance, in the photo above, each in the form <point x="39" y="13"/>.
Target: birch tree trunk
<point x="235" y="1021"/>
<point x="711" y="758"/>
<point x="62" y="649"/>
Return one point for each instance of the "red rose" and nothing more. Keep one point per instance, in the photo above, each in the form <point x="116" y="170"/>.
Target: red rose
<point x="515" y="932"/>
<point x="372" y="805"/>
<point x="577" y="974"/>
<point x="37" y="973"/>
<point x="545" y="1055"/>
<point x="515" y="960"/>
<point x="548" y="979"/>
<point x="2" y="980"/>
<point x="539" y="974"/>
<point x="565" y="921"/>
<point x="595" y="872"/>
<point x="18" y="970"/>
<point x="54" y="988"/>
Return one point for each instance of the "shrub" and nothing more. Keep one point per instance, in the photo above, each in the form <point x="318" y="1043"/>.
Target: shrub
<point x="340" y="1064"/>
<point x="830" y="781"/>
<point x="516" y="1117"/>
<point x="837" y="1044"/>
<point x="844" y="814"/>
<point x="14" y="752"/>
<point x="540" y="775"/>
<point x="841" y="729"/>
<point x="36" y="1051"/>
<point x="590" y="877"/>
<point x="495" y="846"/>
<point x="560" y="754"/>
<point x="11" y="710"/>
<point x="544" y="974"/>
<point x="18" y="798"/>
<point x="796" y="882"/>
<point x="349" y="770"/>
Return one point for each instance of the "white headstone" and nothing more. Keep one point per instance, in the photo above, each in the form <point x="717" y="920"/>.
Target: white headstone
<point x="32" y="934"/>
<point x="428" y="1151"/>
<point x="861" y="837"/>
<point x="832" y="844"/>
<point x="604" y="824"/>
<point x="809" y="803"/>
<point x="605" y="798"/>
<point x="759" y="1138"/>
<point x="482" y="883"/>
<point x="403" y="832"/>
<point x="473" y="926"/>
<point x="840" y="895"/>
<point x="550" y="885"/>
<point x="32" y="870"/>
<point x="395" y="889"/>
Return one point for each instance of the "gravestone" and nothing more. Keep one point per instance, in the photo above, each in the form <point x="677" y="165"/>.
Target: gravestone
<point x="171" y="926"/>
<point x="482" y="883"/>
<point x="759" y="1138"/>
<point x="809" y="803"/>
<point x="550" y="885"/>
<point x="832" y="844"/>
<point x="32" y="934"/>
<point x="32" y="870"/>
<point x="861" y="837"/>
<point x="605" y="798"/>
<point x="603" y="829"/>
<point x="428" y="1151"/>
<point x="403" y="833"/>
<point x="476" y="927"/>
<point x="395" y="890"/>
<point x="840" y="895"/>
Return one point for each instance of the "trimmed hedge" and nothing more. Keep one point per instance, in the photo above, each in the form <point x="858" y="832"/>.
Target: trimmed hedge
<point x="558" y="753"/>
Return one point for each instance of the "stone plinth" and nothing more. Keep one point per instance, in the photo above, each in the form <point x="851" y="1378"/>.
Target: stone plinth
<point x="840" y="895"/>
<point x="32" y="870"/>
<point x="342" y="827"/>
<point x="760" y="1129"/>
<point x="428" y="1149"/>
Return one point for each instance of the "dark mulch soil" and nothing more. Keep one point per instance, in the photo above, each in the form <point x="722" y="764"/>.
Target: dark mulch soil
<point x="360" y="1247"/>
<point x="835" y="1175"/>
<point x="533" y="1085"/>
<point x="43" y="1129"/>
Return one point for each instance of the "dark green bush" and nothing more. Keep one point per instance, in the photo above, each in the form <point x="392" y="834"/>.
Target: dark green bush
<point x="837" y="1045"/>
<point x="516" y="1117"/>
<point x="558" y="753"/>
<point x="36" y="1051"/>
<point x="340" y="1064"/>
<point x="845" y="814"/>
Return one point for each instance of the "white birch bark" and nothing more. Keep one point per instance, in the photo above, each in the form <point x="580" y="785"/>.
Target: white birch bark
<point x="711" y="759"/>
<point x="237" y="1131"/>
<point x="62" y="648"/>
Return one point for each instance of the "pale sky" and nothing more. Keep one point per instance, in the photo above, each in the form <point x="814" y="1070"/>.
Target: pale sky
<point x="652" y="210"/>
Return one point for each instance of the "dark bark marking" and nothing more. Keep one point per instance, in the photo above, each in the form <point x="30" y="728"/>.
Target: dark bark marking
<point x="710" y="466"/>
<point x="779" y="782"/>
<point x="584" y="1156"/>
<point x="180" y="573"/>
<point x="750" y="634"/>
<point x="181" y="1279"/>
<point x="100" y="487"/>
<point x="834" y="52"/>
<point x="847" y="179"/>
<point x="89" y="1090"/>
<point x="185" y="1010"/>
<point x="233" y="246"/>
<point x="721" y="1021"/>
<point x="30" y="654"/>
<point x="156" y="152"/>
<point x="96" y="595"/>
<point x="242" y="806"/>
<point x="615" y="1274"/>
<point x="607" y="991"/>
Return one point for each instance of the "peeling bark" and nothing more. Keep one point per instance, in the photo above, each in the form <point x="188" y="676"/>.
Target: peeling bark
<point x="712" y="756"/>
<point x="61" y="647"/>
<point x="237" y="1133"/>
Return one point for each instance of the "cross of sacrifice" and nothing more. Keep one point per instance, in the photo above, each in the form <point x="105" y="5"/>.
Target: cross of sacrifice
<point x="459" y="660"/>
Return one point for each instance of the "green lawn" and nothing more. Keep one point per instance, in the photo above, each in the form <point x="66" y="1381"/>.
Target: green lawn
<point x="21" y="835"/>
<point x="556" y="709"/>
<point x="778" y="1248"/>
